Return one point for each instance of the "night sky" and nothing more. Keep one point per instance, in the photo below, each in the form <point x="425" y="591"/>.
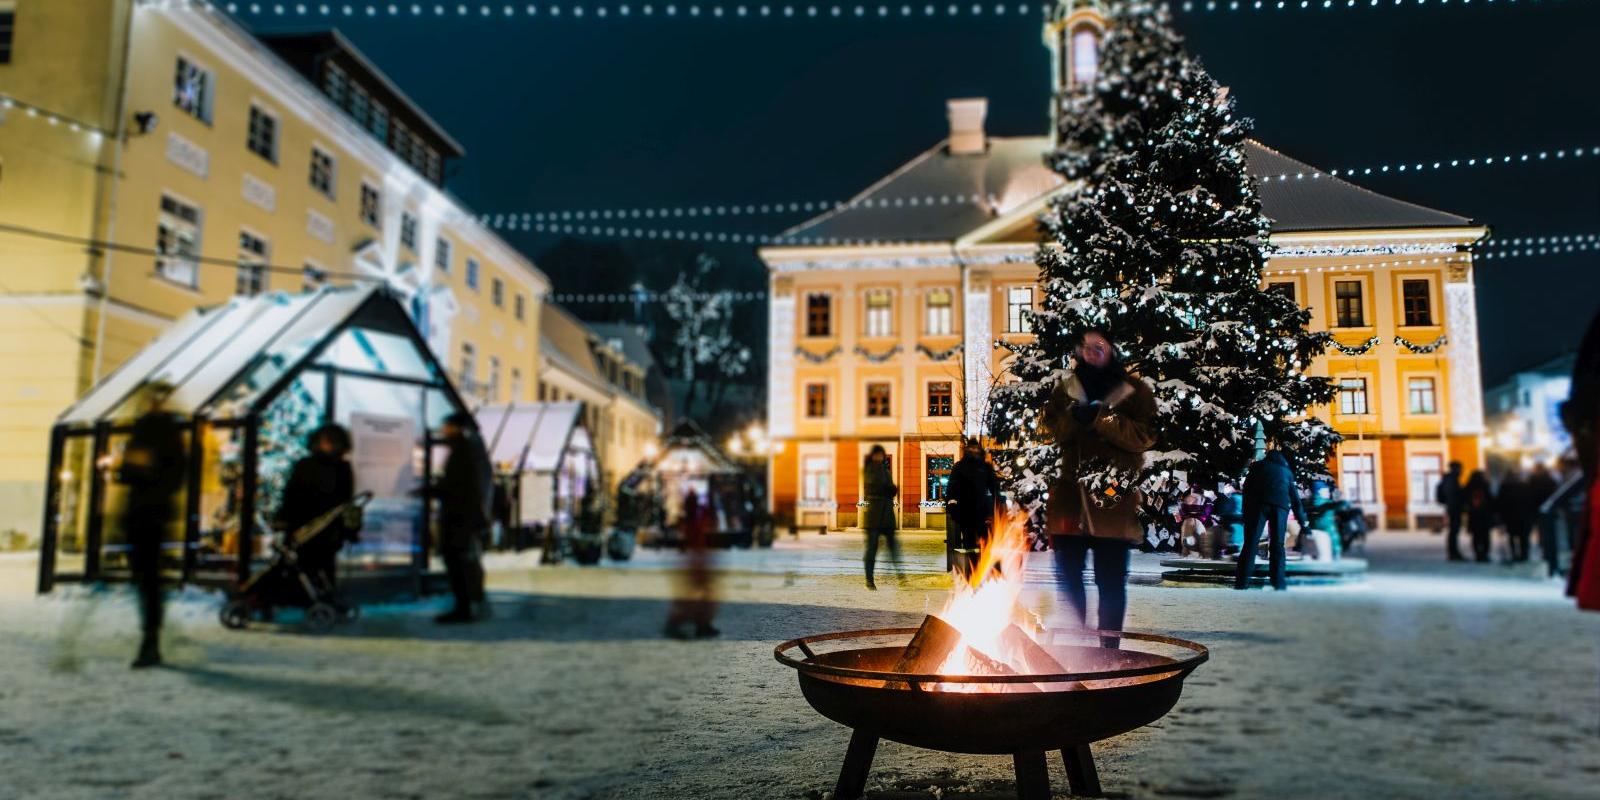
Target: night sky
<point x="622" y="113"/>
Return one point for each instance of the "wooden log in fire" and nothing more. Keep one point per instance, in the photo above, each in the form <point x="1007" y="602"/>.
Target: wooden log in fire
<point x="932" y="644"/>
<point x="1035" y="659"/>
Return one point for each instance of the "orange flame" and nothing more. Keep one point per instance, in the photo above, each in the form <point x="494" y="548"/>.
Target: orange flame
<point x="983" y="604"/>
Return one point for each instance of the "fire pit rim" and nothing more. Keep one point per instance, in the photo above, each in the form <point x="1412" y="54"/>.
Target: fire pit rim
<point x="1184" y="665"/>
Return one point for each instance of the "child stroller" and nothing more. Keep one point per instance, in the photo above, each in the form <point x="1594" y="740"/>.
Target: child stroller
<point x="286" y="582"/>
<point x="1352" y="527"/>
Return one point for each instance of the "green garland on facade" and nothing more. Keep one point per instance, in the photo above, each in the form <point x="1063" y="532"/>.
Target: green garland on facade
<point x="1422" y="349"/>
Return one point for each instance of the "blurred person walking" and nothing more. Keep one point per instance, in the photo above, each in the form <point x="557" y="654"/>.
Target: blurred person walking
<point x="1270" y="494"/>
<point x="878" y="517"/>
<point x="1542" y="486"/>
<point x="1102" y="419"/>
<point x="974" y="492"/>
<point x="1479" y="503"/>
<point x="153" y="466"/>
<point x="1449" y="495"/>
<point x="696" y="601"/>
<point x="464" y="492"/>
<point x="1518" y="511"/>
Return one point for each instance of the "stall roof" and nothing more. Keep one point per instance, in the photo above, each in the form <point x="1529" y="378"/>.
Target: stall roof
<point x="224" y="360"/>
<point x="532" y="437"/>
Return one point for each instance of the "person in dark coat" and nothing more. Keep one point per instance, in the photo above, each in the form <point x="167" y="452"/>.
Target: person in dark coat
<point x="1518" y="510"/>
<point x="1479" y="503"/>
<point x="878" y="517"/>
<point x="1270" y="494"/>
<point x="153" y="466"/>
<point x="1581" y="416"/>
<point x="463" y="492"/>
<point x="1101" y="418"/>
<point x="1542" y="486"/>
<point x="319" y="483"/>
<point x="696" y="601"/>
<point x="970" y="501"/>
<point x="1452" y="499"/>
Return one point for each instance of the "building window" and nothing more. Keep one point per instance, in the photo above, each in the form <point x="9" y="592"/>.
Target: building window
<point x="408" y="231"/>
<point x="1353" y="396"/>
<point x="940" y="399"/>
<point x="880" y="313"/>
<point x="816" y="400"/>
<point x="322" y="171"/>
<point x="335" y="85"/>
<point x="1420" y="396"/>
<point x="497" y="293"/>
<point x="359" y="104"/>
<point x="251" y="277"/>
<point x="371" y="204"/>
<point x="1424" y="471"/>
<point x="1019" y="309"/>
<point x="472" y="274"/>
<point x="441" y="255"/>
<point x="1358" y="477"/>
<point x="939" y="477"/>
<point x="191" y="90"/>
<point x="819" y="315"/>
<point x="263" y="135"/>
<point x="378" y="122"/>
<point x="816" y="479"/>
<point x="940" y="311"/>
<point x="469" y="365"/>
<point x="493" y="392"/>
<point x="878" y="396"/>
<point x="517" y="309"/>
<point x="1285" y="288"/>
<point x="1417" y="303"/>
<point x="178" y="242"/>
<point x="1347" y="305"/>
<point x="1085" y="56"/>
<point x="434" y="164"/>
<point x="516" y="385"/>
<point x="8" y="27"/>
<point x="312" y="277"/>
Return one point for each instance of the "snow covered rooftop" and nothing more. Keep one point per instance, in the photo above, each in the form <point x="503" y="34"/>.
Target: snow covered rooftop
<point x="929" y="199"/>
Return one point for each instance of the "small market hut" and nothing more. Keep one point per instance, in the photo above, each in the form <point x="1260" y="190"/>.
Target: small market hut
<point x="251" y="378"/>
<point x="544" y="459"/>
<point x="690" y="461"/>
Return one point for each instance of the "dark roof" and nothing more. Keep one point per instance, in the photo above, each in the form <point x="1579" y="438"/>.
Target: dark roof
<point x="931" y="198"/>
<point x="631" y="340"/>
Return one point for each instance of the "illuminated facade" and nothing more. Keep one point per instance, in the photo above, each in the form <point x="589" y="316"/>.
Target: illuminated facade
<point x="218" y="163"/>
<point x="895" y="344"/>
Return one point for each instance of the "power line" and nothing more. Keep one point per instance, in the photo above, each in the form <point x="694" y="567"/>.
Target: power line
<point x="94" y="245"/>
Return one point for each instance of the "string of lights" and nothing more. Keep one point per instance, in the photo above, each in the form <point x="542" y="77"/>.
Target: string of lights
<point x="806" y="11"/>
<point x="529" y="220"/>
<point x="9" y="102"/>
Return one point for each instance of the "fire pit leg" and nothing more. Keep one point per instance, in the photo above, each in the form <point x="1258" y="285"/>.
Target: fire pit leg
<point x="857" y="763"/>
<point x="1033" y="777"/>
<point x="1081" y="774"/>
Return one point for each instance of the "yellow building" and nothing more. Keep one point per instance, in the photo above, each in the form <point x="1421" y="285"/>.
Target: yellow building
<point x="155" y="158"/>
<point x="894" y="344"/>
<point x="603" y="368"/>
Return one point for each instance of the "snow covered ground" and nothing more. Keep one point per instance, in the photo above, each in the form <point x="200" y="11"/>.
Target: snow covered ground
<point x="1429" y="680"/>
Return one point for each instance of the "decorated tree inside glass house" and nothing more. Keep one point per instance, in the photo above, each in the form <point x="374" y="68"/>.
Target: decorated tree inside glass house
<point x="1161" y="244"/>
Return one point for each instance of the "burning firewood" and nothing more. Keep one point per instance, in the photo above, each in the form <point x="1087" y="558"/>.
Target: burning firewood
<point x="990" y="666"/>
<point x="934" y="642"/>
<point x="1035" y="659"/>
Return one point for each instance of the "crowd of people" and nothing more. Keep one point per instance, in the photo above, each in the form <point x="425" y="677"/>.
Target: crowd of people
<point x="1524" y="501"/>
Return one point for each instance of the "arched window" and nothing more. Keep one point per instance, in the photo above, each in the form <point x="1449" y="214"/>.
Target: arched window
<point x="1085" y="55"/>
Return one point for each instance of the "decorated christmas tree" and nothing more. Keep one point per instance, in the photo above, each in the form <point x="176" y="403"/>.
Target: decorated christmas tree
<point x="1162" y="243"/>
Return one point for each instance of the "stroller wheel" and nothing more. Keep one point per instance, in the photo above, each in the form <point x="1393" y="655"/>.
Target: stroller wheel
<point x="235" y="615"/>
<point x="320" y="617"/>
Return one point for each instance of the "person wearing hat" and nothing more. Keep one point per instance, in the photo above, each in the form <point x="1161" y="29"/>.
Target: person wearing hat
<point x="319" y="483"/>
<point x="970" y="502"/>
<point x="464" y="492"/>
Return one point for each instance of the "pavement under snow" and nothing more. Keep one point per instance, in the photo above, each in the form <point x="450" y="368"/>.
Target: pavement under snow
<point x="1428" y="680"/>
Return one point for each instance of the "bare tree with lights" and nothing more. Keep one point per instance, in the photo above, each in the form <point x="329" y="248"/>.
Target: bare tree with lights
<point x="1163" y="243"/>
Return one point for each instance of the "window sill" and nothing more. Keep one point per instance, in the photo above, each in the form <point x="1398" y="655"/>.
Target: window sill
<point x="179" y="285"/>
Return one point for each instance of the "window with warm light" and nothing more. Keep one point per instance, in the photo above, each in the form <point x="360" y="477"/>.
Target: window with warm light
<point x="816" y="479"/>
<point x="878" y="400"/>
<point x="1085" y="56"/>
<point x="1348" y="312"/>
<point x="941" y="399"/>
<point x="819" y="315"/>
<point x="1019" y="309"/>
<point x="940" y="305"/>
<point x="1417" y="303"/>
<point x="816" y="400"/>
<point x="880" y="313"/>
<point x="1424" y="470"/>
<point x="1358" y="477"/>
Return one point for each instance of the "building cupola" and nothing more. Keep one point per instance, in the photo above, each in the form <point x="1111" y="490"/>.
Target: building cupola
<point x="1072" y="33"/>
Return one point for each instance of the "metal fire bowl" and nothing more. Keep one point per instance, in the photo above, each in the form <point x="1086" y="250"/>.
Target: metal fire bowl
<point x="1122" y="690"/>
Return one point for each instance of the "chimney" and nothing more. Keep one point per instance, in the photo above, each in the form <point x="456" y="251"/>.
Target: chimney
<point x="966" y="125"/>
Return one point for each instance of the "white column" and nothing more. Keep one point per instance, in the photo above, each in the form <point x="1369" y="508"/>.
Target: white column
<point x="977" y="329"/>
<point x="1466" y="382"/>
<point x="780" y="365"/>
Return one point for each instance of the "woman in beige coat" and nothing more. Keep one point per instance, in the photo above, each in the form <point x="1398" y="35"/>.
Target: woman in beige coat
<point x="1102" y="419"/>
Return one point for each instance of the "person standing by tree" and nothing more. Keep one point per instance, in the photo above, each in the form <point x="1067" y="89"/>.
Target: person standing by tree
<point x="878" y="517"/>
<point x="1450" y="496"/>
<point x="1479" y="503"/>
<point x="1519" y="510"/>
<point x="152" y="467"/>
<point x="463" y="491"/>
<point x="1102" y="419"/>
<point x="1270" y="493"/>
<point x="974" y="491"/>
